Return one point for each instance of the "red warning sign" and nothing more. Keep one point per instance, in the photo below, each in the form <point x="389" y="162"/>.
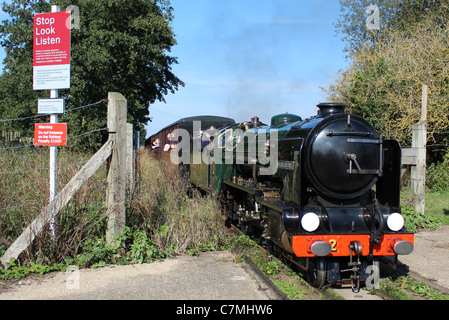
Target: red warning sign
<point x="50" y="134"/>
<point x="51" y="50"/>
<point x="51" y="39"/>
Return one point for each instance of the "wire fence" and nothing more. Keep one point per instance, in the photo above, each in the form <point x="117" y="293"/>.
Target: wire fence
<point x="24" y="176"/>
<point x="13" y="140"/>
<point x="46" y="115"/>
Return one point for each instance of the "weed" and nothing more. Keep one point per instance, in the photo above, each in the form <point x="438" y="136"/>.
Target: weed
<point x="419" y="288"/>
<point x="292" y="291"/>
<point x="414" y="221"/>
<point x="162" y="220"/>
<point x="394" y="291"/>
<point x="242" y="242"/>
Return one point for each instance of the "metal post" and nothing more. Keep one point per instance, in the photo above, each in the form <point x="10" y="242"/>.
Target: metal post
<point x="53" y="156"/>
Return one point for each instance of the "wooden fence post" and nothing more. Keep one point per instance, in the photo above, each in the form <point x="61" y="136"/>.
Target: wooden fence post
<point x="115" y="196"/>
<point x="418" y="172"/>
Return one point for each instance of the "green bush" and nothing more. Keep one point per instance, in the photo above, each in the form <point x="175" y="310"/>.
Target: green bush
<point x="437" y="175"/>
<point x="414" y="221"/>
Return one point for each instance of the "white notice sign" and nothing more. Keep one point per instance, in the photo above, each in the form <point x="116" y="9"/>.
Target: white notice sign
<point x="50" y="106"/>
<point x="50" y="77"/>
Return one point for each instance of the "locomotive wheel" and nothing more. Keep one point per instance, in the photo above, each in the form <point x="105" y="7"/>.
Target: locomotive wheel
<point x="317" y="272"/>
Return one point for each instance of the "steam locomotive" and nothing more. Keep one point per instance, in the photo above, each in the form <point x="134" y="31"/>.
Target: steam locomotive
<point x="324" y="191"/>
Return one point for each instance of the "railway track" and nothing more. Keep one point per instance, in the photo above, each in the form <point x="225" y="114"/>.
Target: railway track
<point x="310" y="293"/>
<point x="436" y="291"/>
<point x="338" y="293"/>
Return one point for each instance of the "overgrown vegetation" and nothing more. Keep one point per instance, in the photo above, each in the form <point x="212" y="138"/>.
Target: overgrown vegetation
<point x="162" y="220"/>
<point x="406" y="288"/>
<point x="414" y="221"/>
<point x="24" y="192"/>
<point x="178" y="222"/>
<point x="287" y="280"/>
<point x="437" y="175"/>
<point x="437" y="199"/>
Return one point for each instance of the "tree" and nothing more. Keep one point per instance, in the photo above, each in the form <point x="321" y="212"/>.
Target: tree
<point x="392" y="14"/>
<point x="383" y="83"/>
<point x="121" y="45"/>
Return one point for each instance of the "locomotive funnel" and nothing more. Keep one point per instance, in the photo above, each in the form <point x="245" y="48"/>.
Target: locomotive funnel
<point x="331" y="107"/>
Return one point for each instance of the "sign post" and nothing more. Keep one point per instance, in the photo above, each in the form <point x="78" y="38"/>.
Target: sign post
<point x="51" y="71"/>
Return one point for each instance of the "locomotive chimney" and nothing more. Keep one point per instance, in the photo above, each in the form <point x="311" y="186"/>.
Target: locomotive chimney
<point x="255" y="120"/>
<point x="328" y="108"/>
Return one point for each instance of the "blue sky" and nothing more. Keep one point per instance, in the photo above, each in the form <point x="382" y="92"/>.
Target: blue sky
<point x="241" y="58"/>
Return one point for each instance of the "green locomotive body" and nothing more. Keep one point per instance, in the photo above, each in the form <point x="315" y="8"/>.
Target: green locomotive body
<point x="324" y="191"/>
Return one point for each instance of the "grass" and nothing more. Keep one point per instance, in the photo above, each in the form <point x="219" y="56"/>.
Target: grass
<point x="162" y="220"/>
<point x="436" y="211"/>
<point x="437" y="204"/>
<point x="406" y="288"/>
<point x="285" y="279"/>
<point x="24" y="192"/>
<point x="177" y="222"/>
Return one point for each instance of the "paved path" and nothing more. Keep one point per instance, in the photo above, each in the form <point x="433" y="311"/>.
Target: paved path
<point x="211" y="276"/>
<point x="430" y="258"/>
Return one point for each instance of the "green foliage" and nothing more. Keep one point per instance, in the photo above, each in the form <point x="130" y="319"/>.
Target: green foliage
<point x="384" y="81"/>
<point x="269" y="266"/>
<point x="161" y="220"/>
<point x="242" y="242"/>
<point x="96" y="252"/>
<point x="403" y="286"/>
<point x="24" y="191"/>
<point x="129" y="247"/>
<point x="437" y="175"/>
<point x="178" y="223"/>
<point x="143" y="250"/>
<point x="292" y="291"/>
<point x="17" y="271"/>
<point x="437" y="204"/>
<point x="414" y="221"/>
<point x="352" y="21"/>
<point x="393" y="15"/>
<point x="120" y="46"/>
<point x="394" y="291"/>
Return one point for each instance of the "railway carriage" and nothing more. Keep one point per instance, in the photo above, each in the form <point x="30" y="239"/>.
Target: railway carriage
<point x="166" y="140"/>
